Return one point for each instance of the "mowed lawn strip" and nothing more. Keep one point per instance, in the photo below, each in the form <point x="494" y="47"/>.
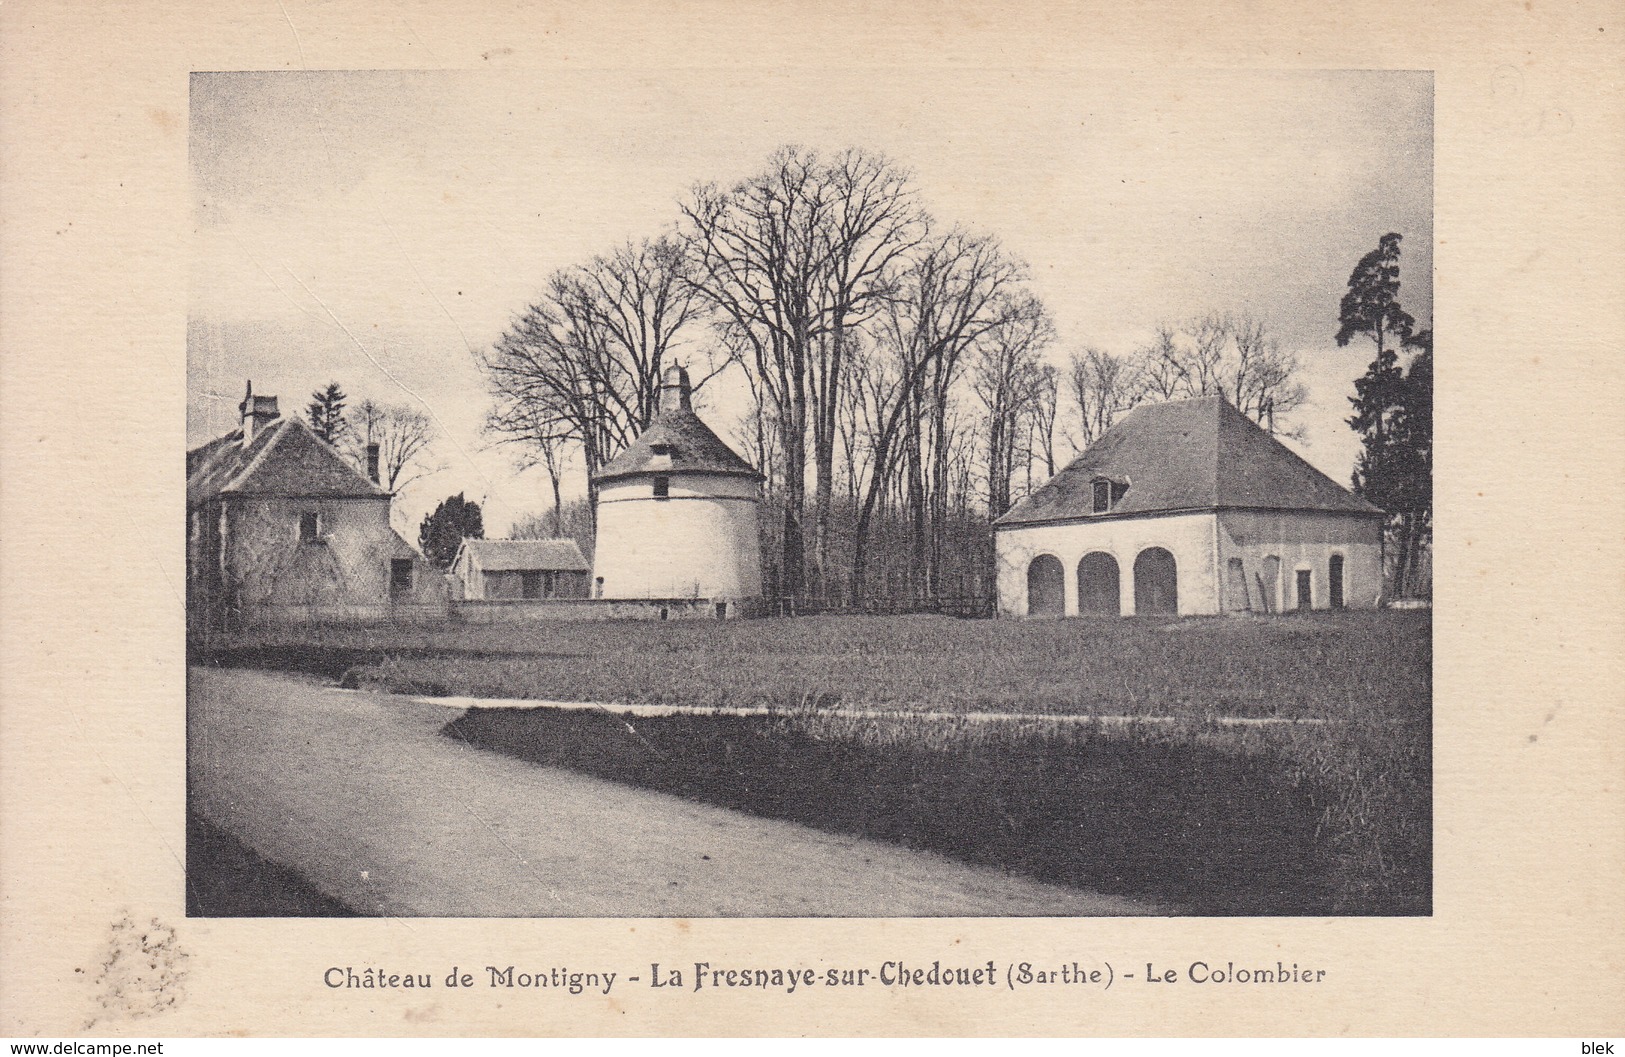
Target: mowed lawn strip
<point x="1323" y="666"/>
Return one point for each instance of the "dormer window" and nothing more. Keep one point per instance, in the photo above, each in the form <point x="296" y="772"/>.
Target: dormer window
<point x="1107" y="494"/>
<point x="662" y="487"/>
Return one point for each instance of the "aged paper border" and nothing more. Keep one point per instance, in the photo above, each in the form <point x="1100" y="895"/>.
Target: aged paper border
<point x="1530" y="302"/>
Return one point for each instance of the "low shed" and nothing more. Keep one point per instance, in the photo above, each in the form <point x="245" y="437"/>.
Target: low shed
<point x="515" y="570"/>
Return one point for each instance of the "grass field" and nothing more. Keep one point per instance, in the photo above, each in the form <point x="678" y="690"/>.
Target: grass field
<point x="1325" y="818"/>
<point x="1328" y="665"/>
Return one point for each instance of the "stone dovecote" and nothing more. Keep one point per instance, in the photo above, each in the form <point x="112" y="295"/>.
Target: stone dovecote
<point x="677" y="512"/>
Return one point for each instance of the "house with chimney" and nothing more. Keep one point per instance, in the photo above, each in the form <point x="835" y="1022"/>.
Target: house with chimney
<point x="282" y="529"/>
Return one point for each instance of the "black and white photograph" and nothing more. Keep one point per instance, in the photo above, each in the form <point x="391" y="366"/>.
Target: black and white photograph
<point x="770" y="496"/>
<point x="907" y="523"/>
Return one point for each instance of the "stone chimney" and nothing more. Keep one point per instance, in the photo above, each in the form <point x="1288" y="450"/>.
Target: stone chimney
<point x="675" y="392"/>
<point x="256" y="413"/>
<point x="372" y="463"/>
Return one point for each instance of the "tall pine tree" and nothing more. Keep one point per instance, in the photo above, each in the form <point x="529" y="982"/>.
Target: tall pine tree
<point x="1393" y="409"/>
<point x="326" y="413"/>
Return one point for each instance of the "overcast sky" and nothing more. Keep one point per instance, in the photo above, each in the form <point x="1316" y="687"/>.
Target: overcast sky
<point x="377" y="228"/>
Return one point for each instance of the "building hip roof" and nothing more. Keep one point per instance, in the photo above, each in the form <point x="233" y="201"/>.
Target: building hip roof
<point x="1186" y="455"/>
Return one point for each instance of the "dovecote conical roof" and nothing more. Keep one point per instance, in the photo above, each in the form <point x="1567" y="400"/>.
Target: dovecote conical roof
<point x="676" y="441"/>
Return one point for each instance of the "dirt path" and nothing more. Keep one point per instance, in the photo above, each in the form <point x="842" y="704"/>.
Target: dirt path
<point x="361" y="795"/>
<point x="1060" y="719"/>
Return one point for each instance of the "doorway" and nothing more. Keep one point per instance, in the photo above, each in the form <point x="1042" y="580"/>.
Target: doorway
<point x="1238" y="601"/>
<point x="1156" y="583"/>
<point x="1269" y="585"/>
<point x="1046" y="587"/>
<point x="1098" y="593"/>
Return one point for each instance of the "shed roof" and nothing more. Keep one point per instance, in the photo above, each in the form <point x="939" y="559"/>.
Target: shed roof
<point x="690" y="447"/>
<point x="558" y="555"/>
<point x="1187" y="455"/>
<point x="284" y="458"/>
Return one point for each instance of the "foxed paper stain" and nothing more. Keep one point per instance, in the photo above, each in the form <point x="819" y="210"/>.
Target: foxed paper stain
<point x="142" y="974"/>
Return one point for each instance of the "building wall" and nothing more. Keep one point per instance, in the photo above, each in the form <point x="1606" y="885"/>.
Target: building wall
<point x="269" y="574"/>
<point x="572" y="585"/>
<point x="1188" y="537"/>
<point x="467" y="578"/>
<point x="526" y="611"/>
<point x="430" y="613"/>
<point x="509" y="585"/>
<point x="701" y="542"/>
<point x="1300" y="541"/>
<point x="205" y="588"/>
<point x="503" y="584"/>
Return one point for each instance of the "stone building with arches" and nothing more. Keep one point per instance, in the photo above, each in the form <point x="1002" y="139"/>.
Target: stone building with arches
<point x="1188" y="508"/>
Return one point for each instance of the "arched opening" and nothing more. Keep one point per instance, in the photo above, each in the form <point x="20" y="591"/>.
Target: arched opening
<point x="1046" y="587"/>
<point x="1098" y="591"/>
<point x="1237" y="586"/>
<point x="1269" y="584"/>
<point x="1156" y="583"/>
<point x="1334" y="580"/>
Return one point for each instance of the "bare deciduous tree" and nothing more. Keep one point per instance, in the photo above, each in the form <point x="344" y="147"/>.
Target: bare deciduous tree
<point x="757" y="252"/>
<point x="573" y="521"/>
<point x="1009" y="381"/>
<point x="404" y="436"/>
<point x="1161" y="370"/>
<point x="873" y="221"/>
<point x="791" y="259"/>
<point x="1103" y="386"/>
<point x="583" y="363"/>
<point x="1262" y="379"/>
<point x="1203" y="353"/>
<point x="956" y="288"/>
<point x="1216" y="354"/>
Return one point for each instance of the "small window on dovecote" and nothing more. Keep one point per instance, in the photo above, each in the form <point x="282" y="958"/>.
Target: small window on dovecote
<point x="400" y="575"/>
<point x="662" y="487"/>
<point x="660" y="449"/>
<point x="310" y="527"/>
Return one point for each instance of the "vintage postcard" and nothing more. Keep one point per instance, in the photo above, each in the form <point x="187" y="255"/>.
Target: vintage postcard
<point x="821" y="520"/>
